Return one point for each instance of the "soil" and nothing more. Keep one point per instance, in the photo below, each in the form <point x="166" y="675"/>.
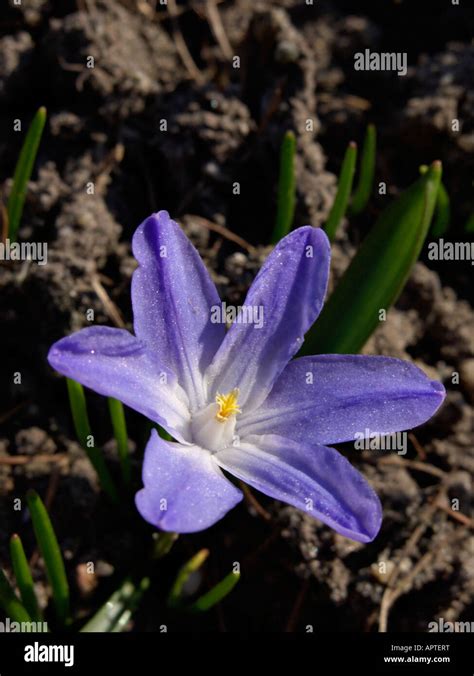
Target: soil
<point x="225" y="124"/>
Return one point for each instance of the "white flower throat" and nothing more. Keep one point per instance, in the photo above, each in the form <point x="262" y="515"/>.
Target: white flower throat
<point x="213" y="426"/>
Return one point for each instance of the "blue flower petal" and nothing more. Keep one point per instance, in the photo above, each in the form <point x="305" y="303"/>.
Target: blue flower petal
<point x="289" y="293"/>
<point x="116" y="364"/>
<point x="185" y="490"/>
<point x="315" y="479"/>
<point x="172" y="296"/>
<point x="328" y="399"/>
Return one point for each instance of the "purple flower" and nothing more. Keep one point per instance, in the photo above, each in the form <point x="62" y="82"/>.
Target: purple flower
<point x="233" y="400"/>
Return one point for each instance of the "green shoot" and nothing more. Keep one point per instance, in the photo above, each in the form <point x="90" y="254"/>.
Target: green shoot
<point x="367" y="171"/>
<point x="24" y="578"/>
<point x="116" y="613"/>
<point x="286" y="188"/>
<point x="162" y="544"/>
<point x="120" y="432"/>
<point x="51" y="554"/>
<point x="442" y="215"/>
<point x="343" y="193"/>
<point x="23" y="170"/>
<point x="185" y="572"/>
<point x="216" y="594"/>
<point x="77" y="402"/>
<point x="10" y="603"/>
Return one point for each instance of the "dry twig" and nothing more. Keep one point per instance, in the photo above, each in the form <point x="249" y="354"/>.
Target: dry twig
<point x="396" y="587"/>
<point x="297" y="607"/>
<point x="425" y="467"/>
<point x="57" y="458"/>
<point x="224" y="232"/>
<point x="181" y="46"/>
<point x="109" y="306"/>
<point x="417" y="446"/>
<point x="252" y="500"/>
<point x="217" y="28"/>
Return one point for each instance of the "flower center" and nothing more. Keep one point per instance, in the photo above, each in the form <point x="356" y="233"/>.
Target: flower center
<point x="213" y="426"/>
<point x="227" y="405"/>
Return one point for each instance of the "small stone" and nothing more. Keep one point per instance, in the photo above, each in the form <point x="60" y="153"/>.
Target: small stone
<point x="286" y="52"/>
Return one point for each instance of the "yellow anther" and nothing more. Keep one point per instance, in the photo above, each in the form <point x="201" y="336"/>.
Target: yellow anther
<point x="227" y="405"/>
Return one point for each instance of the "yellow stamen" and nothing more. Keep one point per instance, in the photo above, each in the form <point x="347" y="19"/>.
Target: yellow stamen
<point x="227" y="405"/>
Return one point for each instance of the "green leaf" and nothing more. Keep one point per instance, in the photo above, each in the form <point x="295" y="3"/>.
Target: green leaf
<point x="10" y="603"/>
<point x="162" y="432"/>
<point x="185" y="572"/>
<point x="24" y="578"/>
<point x="23" y="170"/>
<point x="51" y="554"/>
<point x="367" y="171"/>
<point x="77" y="402"/>
<point x="162" y="544"/>
<point x="344" y="189"/>
<point x="216" y="594"/>
<point x="286" y="196"/>
<point x="442" y="215"/>
<point x="378" y="271"/>
<point x="121" y="437"/>
<point x="116" y="613"/>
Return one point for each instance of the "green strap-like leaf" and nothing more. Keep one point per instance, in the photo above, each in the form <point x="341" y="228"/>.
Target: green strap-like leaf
<point x="367" y="171"/>
<point x="10" y="603"/>
<point x="24" y="578"/>
<point x="51" y="554"/>
<point x="442" y="215"/>
<point x="176" y="592"/>
<point x="216" y="594"/>
<point x="162" y="544"/>
<point x="378" y="271"/>
<point x="78" y="405"/>
<point x="286" y="188"/>
<point x="23" y="170"/>
<point x="121" y="437"/>
<point x="115" y="614"/>
<point x="344" y="189"/>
